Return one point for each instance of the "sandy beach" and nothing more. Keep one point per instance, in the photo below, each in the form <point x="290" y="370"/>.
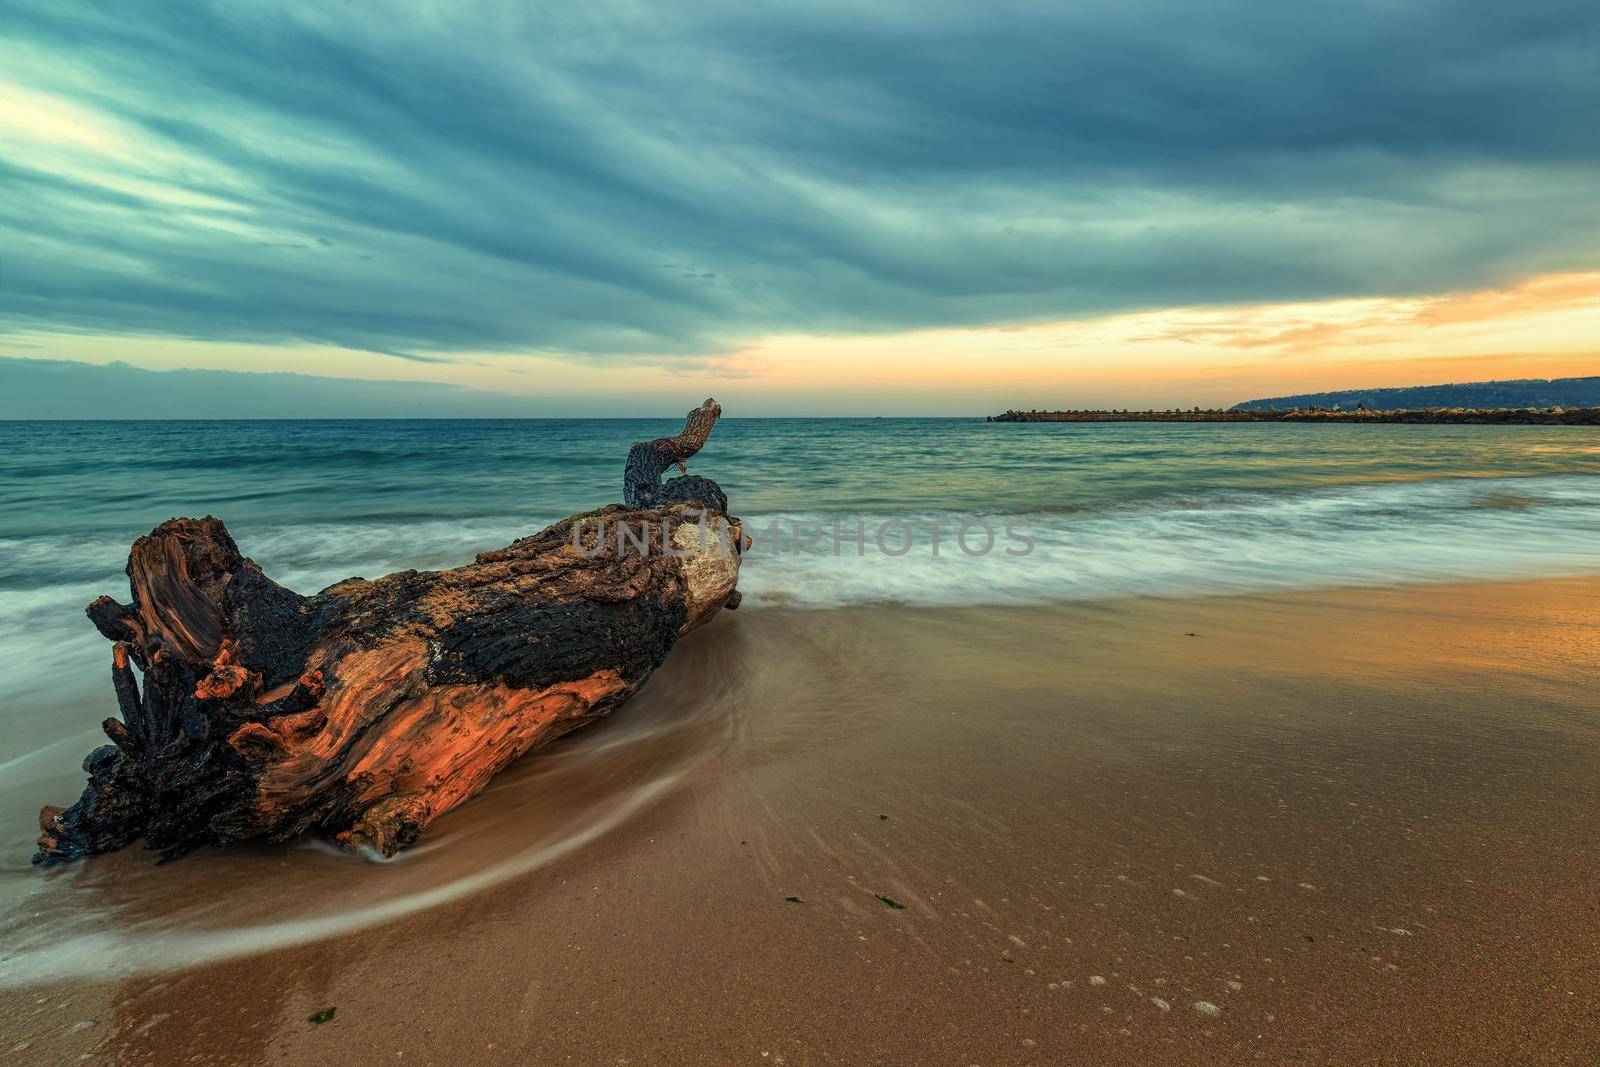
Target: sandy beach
<point x="1329" y="827"/>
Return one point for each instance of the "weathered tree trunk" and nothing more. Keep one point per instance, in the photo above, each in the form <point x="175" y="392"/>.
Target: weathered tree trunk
<point x="369" y="709"/>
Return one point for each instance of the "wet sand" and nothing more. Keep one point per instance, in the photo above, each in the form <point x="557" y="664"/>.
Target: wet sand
<point x="1335" y="827"/>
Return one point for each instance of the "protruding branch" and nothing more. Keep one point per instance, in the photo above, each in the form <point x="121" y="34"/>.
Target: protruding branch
<point x="649" y="460"/>
<point x="116" y="622"/>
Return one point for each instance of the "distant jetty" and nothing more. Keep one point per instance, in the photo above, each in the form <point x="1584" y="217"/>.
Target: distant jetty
<point x="1554" y="416"/>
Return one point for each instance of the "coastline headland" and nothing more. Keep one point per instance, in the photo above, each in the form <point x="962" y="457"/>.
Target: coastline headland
<point x="1444" y="416"/>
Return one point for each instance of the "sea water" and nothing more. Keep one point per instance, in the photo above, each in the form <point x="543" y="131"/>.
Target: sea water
<point x="844" y="510"/>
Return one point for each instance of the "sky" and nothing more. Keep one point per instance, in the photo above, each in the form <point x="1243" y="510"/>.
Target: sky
<point x="801" y="208"/>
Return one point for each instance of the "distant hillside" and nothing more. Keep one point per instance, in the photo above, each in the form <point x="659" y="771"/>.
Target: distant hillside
<point x="1518" y="393"/>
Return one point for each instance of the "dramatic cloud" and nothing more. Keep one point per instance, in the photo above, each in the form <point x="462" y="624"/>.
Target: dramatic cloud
<point x="603" y="180"/>
<point x="63" y="389"/>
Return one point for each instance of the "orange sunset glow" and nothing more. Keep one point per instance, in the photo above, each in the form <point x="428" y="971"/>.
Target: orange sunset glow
<point x="1544" y="326"/>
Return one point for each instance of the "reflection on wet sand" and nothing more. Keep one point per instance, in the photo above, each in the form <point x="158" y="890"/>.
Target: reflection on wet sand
<point x="1313" y="827"/>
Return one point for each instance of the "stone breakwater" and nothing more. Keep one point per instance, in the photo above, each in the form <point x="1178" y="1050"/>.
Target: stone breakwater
<point x="1443" y="416"/>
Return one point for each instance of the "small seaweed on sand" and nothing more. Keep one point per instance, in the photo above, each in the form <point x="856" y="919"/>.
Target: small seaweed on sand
<point x="890" y="902"/>
<point x="794" y="900"/>
<point x="885" y="818"/>
<point x="322" y="1016"/>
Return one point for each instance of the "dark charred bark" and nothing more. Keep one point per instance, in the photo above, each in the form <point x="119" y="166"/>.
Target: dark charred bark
<point x="649" y="460"/>
<point x="369" y="709"/>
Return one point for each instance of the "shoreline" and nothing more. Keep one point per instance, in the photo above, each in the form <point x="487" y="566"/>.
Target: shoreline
<point x="1327" y="416"/>
<point x="1340" y="817"/>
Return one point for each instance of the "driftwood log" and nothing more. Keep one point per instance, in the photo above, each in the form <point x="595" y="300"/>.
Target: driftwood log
<point x="368" y="710"/>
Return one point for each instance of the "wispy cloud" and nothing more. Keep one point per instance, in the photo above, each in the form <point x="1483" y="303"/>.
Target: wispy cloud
<point x="1301" y="328"/>
<point x="605" y="180"/>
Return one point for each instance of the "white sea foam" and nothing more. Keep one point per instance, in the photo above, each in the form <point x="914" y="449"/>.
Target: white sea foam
<point x="1224" y="543"/>
<point x="118" y="951"/>
<point x="1228" y="542"/>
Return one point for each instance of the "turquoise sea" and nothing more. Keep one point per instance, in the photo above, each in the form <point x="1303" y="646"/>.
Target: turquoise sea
<point x="1110" y="509"/>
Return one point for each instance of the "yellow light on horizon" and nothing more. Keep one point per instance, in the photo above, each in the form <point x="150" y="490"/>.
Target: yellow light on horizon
<point x="1544" y="326"/>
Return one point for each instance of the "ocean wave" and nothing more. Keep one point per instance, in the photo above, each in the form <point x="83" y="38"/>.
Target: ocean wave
<point x="1171" y="545"/>
<point x="1177" y="545"/>
<point x="1233" y="542"/>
